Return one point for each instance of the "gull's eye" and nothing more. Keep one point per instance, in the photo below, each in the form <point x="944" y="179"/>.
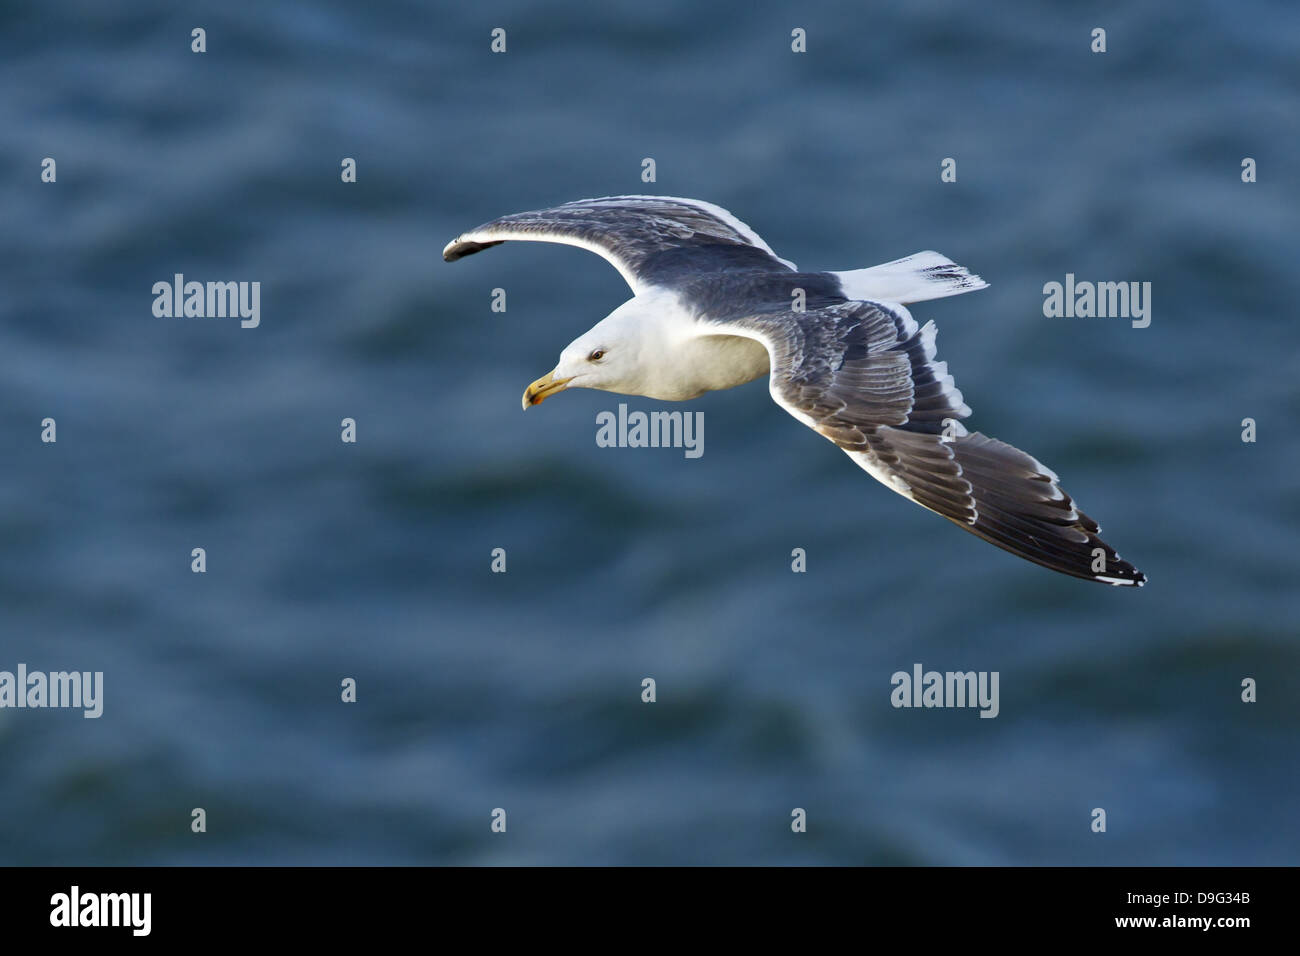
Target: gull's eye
<point x="596" y="355"/>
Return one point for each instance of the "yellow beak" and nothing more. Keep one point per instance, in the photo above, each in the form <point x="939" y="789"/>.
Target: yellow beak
<point x="544" y="387"/>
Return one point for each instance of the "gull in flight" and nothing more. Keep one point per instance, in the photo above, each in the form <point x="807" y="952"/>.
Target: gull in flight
<point x="714" y="307"/>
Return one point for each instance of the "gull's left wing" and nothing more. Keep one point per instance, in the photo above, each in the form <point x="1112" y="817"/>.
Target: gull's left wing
<point x="863" y="375"/>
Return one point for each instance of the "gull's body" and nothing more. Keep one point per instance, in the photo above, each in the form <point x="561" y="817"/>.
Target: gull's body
<point x="715" y="307"/>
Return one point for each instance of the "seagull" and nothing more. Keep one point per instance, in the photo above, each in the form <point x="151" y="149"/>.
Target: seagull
<point x="714" y="307"/>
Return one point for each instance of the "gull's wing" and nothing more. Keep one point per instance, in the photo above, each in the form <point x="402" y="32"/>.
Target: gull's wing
<point x="650" y="240"/>
<point x="864" y="376"/>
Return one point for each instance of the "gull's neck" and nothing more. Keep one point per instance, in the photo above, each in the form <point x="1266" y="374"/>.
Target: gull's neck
<point x="679" y="356"/>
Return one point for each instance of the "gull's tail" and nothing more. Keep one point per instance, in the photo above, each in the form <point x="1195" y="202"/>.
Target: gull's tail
<point x="916" y="278"/>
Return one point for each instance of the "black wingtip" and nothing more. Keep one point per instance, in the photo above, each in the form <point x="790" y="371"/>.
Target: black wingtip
<point x="457" y="249"/>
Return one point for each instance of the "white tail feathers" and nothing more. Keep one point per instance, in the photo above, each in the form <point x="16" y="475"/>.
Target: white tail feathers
<point x="916" y="278"/>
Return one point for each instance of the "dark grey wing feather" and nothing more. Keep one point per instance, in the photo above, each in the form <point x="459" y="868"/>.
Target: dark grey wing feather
<point x="865" y="376"/>
<point x="651" y="240"/>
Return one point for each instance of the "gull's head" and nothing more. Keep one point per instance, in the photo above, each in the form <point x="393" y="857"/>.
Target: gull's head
<point x="607" y="357"/>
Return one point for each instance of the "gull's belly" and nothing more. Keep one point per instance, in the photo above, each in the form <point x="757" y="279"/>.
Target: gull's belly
<point x="711" y="362"/>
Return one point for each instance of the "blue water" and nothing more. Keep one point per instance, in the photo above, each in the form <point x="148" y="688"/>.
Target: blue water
<point x="522" y="690"/>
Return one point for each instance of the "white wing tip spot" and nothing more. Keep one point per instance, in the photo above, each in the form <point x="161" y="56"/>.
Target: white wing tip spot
<point x="1118" y="582"/>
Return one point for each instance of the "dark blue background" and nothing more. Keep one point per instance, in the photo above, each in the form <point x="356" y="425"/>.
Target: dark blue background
<point x="522" y="690"/>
